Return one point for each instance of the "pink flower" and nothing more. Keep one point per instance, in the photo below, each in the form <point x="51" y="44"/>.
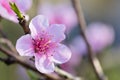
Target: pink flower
<point x="60" y="14"/>
<point x="99" y="36"/>
<point x="6" y="11"/>
<point x="44" y="44"/>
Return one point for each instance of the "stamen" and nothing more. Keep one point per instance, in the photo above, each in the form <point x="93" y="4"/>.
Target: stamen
<point x="41" y="45"/>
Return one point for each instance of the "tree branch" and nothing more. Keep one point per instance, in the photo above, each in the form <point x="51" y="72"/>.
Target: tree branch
<point x="9" y="44"/>
<point x="22" y="61"/>
<point x="93" y="59"/>
<point x="24" y="25"/>
<point x="8" y="60"/>
<point x="66" y="74"/>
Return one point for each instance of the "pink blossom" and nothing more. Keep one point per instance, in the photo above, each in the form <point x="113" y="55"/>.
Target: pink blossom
<point x="99" y="36"/>
<point x="60" y="14"/>
<point x="7" y="13"/>
<point x="44" y="44"/>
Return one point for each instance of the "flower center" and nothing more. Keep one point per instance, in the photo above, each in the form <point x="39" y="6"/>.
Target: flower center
<point x="41" y="45"/>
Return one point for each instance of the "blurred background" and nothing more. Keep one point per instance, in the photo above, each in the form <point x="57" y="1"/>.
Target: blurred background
<point x="103" y="31"/>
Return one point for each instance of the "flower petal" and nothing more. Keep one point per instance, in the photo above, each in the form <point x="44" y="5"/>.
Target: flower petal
<point x="38" y="24"/>
<point x="57" y="31"/>
<point x="24" y="45"/>
<point x="23" y="5"/>
<point x="43" y="64"/>
<point x="4" y="13"/>
<point x="62" y="54"/>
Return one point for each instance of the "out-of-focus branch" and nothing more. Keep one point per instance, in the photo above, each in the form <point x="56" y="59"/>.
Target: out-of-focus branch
<point x="93" y="59"/>
<point x="66" y="74"/>
<point x="8" y="60"/>
<point x="9" y="44"/>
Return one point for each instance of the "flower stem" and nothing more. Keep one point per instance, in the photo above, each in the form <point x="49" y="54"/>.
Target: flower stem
<point x="24" y="25"/>
<point x="92" y="58"/>
<point x="21" y="17"/>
